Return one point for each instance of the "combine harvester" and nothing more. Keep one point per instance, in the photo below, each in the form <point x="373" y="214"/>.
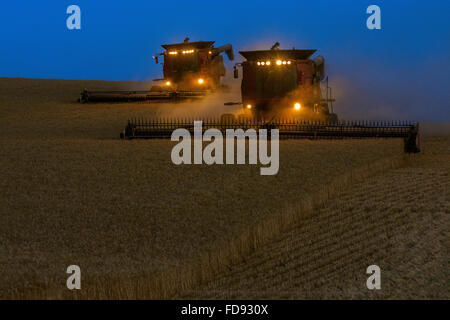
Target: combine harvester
<point x="191" y="70"/>
<point x="284" y="86"/>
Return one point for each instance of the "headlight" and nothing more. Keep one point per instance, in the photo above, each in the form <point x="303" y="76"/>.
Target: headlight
<point x="249" y="106"/>
<point x="168" y="83"/>
<point x="268" y="63"/>
<point x="279" y="62"/>
<point x="297" y="106"/>
<point x="200" y="81"/>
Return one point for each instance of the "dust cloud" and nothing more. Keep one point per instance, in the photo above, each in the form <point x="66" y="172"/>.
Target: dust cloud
<point x="210" y="106"/>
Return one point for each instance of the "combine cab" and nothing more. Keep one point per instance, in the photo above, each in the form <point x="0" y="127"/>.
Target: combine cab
<point x="191" y="69"/>
<point x="285" y="83"/>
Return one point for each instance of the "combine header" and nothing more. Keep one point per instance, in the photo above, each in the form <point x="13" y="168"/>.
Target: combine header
<point x="288" y="129"/>
<point x="191" y="70"/>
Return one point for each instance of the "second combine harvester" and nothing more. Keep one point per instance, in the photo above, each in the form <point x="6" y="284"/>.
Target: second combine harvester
<point x="285" y="84"/>
<point x="191" y="69"/>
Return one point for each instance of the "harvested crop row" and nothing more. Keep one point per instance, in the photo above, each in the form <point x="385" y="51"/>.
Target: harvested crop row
<point x="399" y="220"/>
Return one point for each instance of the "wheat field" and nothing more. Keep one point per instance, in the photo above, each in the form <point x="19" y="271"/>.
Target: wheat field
<point x="398" y="220"/>
<point x="141" y="227"/>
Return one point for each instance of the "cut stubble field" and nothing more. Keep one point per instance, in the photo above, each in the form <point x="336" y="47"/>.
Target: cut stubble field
<point x="398" y="220"/>
<point x="142" y="227"/>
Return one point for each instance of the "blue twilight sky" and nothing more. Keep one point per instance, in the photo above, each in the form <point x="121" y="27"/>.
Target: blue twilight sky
<point x="401" y="70"/>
